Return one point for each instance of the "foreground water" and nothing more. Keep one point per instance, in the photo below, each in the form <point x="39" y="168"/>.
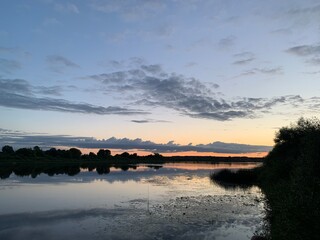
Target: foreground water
<point x="176" y="201"/>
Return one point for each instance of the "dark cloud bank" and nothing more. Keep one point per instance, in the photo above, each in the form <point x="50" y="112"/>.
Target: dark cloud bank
<point x="20" y="139"/>
<point x="150" y="86"/>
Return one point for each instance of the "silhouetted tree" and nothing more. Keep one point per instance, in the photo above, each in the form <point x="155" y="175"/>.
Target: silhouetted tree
<point x="7" y="149"/>
<point x="125" y="155"/>
<point x="291" y="181"/>
<point x="104" y="153"/>
<point x="37" y="151"/>
<point x="52" y="152"/>
<point x="25" y="152"/>
<point x="74" y="153"/>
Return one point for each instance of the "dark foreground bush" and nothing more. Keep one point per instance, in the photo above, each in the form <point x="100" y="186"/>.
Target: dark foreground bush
<point x="243" y="178"/>
<point x="290" y="179"/>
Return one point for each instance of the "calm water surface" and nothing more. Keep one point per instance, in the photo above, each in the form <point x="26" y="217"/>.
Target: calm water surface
<point x="176" y="201"/>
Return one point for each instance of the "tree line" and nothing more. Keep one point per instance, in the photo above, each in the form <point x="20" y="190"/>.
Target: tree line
<point x="72" y="153"/>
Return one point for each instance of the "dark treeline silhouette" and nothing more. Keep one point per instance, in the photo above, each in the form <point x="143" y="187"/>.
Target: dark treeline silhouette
<point x="34" y="161"/>
<point x="36" y="154"/>
<point x="290" y="179"/>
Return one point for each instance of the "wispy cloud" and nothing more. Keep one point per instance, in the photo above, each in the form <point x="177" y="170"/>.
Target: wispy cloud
<point x="305" y="15"/>
<point x="254" y="71"/>
<point x="21" y="86"/>
<point x="149" y="121"/>
<point x="59" y="63"/>
<point x="311" y="53"/>
<point x="12" y="100"/>
<point x="305" y="50"/>
<point x="50" y="22"/>
<point x="130" y="10"/>
<point x="9" y="65"/>
<point x="152" y="86"/>
<point x="43" y="140"/>
<point x="243" y="61"/>
<point x="66" y="8"/>
<point x="314" y="61"/>
<point x="227" y="41"/>
<point x="19" y="93"/>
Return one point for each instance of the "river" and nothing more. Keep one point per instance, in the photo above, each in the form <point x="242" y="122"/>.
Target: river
<point x="172" y="201"/>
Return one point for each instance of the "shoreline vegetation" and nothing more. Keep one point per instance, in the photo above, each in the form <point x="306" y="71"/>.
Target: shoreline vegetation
<point x="34" y="161"/>
<point x="290" y="180"/>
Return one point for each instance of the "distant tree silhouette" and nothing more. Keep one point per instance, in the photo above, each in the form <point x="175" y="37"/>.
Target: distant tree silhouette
<point x="7" y="149"/>
<point x="37" y="151"/>
<point x="52" y="152"/>
<point x="125" y="155"/>
<point x="25" y="152"/>
<point x="74" y="153"/>
<point x="92" y="155"/>
<point x="104" y="153"/>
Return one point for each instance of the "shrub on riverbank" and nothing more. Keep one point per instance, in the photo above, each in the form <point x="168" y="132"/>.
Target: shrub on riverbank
<point x="290" y="179"/>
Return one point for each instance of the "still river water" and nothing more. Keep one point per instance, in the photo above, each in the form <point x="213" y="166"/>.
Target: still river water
<point x="176" y="201"/>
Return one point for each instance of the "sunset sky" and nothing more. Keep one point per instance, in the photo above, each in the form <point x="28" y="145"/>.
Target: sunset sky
<point x="205" y="77"/>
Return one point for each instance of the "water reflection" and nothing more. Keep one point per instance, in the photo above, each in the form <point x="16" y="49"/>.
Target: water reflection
<point x="148" y="201"/>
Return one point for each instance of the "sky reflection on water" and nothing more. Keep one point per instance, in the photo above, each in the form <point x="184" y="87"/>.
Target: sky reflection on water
<point x="173" y="198"/>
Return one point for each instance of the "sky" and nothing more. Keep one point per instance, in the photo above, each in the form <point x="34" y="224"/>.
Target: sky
<point x="179" y="77"/>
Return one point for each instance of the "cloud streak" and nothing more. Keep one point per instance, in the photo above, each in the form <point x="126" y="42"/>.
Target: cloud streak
<point x="19" y="93"/>
<point x="305" y="50"/>
<point x="8" y="65"/>
<point x="59" y="63"/>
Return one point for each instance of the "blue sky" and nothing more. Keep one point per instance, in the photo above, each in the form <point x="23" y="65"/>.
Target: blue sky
<point x="185" y="73"/>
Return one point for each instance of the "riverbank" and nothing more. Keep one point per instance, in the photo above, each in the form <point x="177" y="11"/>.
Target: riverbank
<point x="290" y="180"/>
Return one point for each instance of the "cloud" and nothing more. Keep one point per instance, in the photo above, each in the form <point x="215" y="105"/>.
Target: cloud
<point x="314" y="61"/>
<point x="266" y="71"/>
<point x="311" y="52"/>
<point x="272" y="71"/>
<point x="305" y="15"/>
<point x="152" y="86"/>
<point x="227" y="42"/>
<point x="305" y="50"/>
<point x="66" y="8"/>
<point x="149" y="121"/>
<point x="243" y="61"/>
<point x="8" y="65"/>
<point x="59" y="63"/>
<point x="130" y="10"/>
<point x="50" y="22"/>
<point x="19" y="93"/>
<point x="8" y="50"/>
<point x="47" y="141"/>
<point x="243" y="58"/>
<point x="12" y="100"/>
<point x="282" y="31"/>
<point x="21" y="86"/>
